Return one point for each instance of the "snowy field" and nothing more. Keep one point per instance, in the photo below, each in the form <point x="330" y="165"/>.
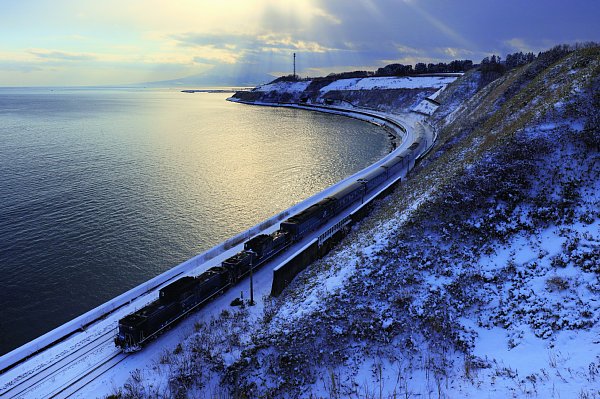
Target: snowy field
<point x="414" y="82"/>
<point x="408" y="82"/>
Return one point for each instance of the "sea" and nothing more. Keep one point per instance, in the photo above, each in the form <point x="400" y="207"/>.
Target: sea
<point x="102" y="189"/>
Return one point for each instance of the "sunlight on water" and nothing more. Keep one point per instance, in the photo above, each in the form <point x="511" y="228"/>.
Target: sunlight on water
<point x="104" y="189"/>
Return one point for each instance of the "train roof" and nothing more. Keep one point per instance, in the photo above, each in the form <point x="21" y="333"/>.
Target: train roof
<point x="181" y="285"/>
<point x="374" y="173"/>
<point x="210" y="273"/>
<point x="346" y="190"/>
<point x="134" y="319"/>
<point x="257" y="241"/>
<point x="237" y="257"/>
<point x="308" y="212"/>
<point x="278" y="233"/>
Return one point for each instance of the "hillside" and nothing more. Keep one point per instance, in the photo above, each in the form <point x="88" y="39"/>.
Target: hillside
<point x="381" y="93"/>
<point x="478" y="277"/>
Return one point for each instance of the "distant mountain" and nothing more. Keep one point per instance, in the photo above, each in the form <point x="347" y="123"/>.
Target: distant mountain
<point x="216" y="78"/>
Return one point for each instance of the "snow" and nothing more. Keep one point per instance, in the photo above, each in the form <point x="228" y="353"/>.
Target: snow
<point x="426" y="107"/>
<point x="416" y="82"/>
<point x="534" y="334"/>
<point x="284" y="87"/>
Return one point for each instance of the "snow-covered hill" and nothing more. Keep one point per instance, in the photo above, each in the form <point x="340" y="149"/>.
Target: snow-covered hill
<point x="478" y="277"/>
<point x="389" y="94"/>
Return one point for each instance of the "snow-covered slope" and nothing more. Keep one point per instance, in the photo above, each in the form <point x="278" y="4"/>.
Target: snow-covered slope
<point x="415" y="82"/>
<point x="380" y="83"/>
<point x="388" y="94"/>
<point x="284" y="87"/>
<point x="479" y="277"/>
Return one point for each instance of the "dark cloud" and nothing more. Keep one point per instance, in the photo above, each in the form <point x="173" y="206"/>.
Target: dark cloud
<point x="377" y="32"/>
<point x="477" y="26"/>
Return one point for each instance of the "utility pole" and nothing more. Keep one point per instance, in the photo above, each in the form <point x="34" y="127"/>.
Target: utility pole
<point x="252" y="255"/>
<point x="294" y="65"/>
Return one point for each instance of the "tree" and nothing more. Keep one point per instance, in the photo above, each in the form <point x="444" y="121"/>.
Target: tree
<point x="420" y="68"/>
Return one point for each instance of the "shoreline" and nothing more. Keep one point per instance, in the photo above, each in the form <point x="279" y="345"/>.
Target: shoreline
<point x="99" y="314"/>
<point x="395" y="139"/>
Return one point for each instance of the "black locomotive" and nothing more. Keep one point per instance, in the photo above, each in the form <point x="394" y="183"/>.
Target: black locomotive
<point x="186" y="294"/>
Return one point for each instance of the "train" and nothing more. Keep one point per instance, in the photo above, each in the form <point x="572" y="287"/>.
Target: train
<point x="187" y="294"/>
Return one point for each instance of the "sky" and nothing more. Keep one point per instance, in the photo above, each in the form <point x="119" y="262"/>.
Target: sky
<point x="116" y="42"/>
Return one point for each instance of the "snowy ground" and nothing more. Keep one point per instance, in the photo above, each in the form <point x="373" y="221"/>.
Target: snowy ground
<point x="413" y="82"/>
<point x="284" y="87"/>
<point x="402" y="312"/>
<point x="408" y="82"/>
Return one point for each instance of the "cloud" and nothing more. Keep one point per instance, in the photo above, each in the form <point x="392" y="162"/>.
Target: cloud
<point x="287" y="43"/>
<point x="518" y="44"/>
<point x="319" y="12"/>
<point x="233" y="42"/>
<point x="408" y="50"/>
<point x="61" y="55"/>
<point x="19" y="66"/>
<point x="209" y="55"/>
<point x="188" y="36"/>
<point x="214" y="40"/>
<point x="455" y="52"/>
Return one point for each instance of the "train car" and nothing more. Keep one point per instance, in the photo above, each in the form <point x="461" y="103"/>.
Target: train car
<point x="136" y="328"/>
<point x="174" y="301"/>
<point x="393" y="166"/>
<point x="348" y="195"/>
<point x="414" y="146"/>
<point x="265" y="245"/>
<point x="239" y="264"/>
<point x="280" y="240"/>
<point x="209" y="283"/>
<point x="309" y="219"/>
<point x="177" y="290"/>
<point x="261" y="244"/>
<point x="374" y="178"/>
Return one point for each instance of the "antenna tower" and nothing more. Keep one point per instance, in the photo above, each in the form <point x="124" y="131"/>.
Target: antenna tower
<point x="294" y="65"/>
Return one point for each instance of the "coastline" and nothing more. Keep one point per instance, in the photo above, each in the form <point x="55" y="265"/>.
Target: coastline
<point x="99" y="315"/>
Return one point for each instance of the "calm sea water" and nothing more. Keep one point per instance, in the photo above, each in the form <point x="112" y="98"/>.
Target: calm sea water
<point x="100" y="190"/>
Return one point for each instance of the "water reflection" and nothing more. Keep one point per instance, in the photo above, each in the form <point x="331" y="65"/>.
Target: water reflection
<point x="102" y="190"/>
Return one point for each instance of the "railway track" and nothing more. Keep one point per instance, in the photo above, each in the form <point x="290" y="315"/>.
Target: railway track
<point x="22" y="387"/>
<point x="75" y="384"/>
